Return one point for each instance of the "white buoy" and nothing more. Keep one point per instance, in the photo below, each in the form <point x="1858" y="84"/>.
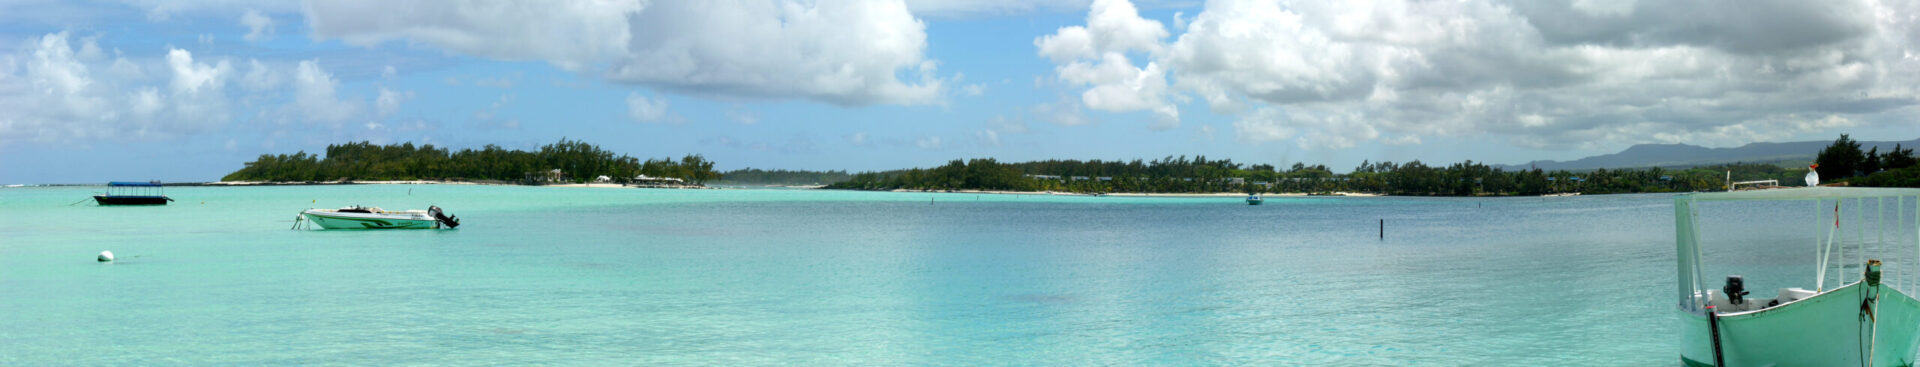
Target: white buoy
<point x="106" y="256"/>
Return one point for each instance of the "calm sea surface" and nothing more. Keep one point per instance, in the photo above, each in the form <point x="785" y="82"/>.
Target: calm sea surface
<point x="807" y="277"/>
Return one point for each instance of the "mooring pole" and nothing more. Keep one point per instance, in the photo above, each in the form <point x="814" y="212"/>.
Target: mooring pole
<point x="1383" y="228"/>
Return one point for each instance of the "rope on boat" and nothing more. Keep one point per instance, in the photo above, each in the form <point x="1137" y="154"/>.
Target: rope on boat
<point x="1713" y="326"/>
<point x="81" y="201"/>
<point x="1869" y="299"/>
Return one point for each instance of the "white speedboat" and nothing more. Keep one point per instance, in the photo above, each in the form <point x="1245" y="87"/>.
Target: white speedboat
<point x="1869" y="251"/>
<point x="359" y="217"/>
<point x="1255" y="200"/>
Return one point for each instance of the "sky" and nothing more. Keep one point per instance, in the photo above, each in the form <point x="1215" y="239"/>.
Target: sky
<point x="98" y="90"/>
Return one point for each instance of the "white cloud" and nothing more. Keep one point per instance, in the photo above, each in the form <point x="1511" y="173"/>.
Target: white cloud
<point x="259" y="77"/>
<point x="1263" y="125"/>
<point x="190" y="77"/>
<point x="1314" y="129"/>
<point x="198" y="97"/>
<point x="840" y="52"/>
<point x="259" y="26"/>
<point x="1562" y="74"/>
<point x="389" y="72"/>
<point x="858" y="139"/>
<point x="974" y="89"/>
<point x="643" y="109"/>
<point x="49" y="92"/>
<point x="314" y="98"/>
<point x="146" y="103"/>
<point x="973" y="8"/>
<point x="1096" y="56"/>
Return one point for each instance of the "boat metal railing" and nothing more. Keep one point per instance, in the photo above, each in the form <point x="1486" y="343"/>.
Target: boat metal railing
<point x="1852" y="226"/>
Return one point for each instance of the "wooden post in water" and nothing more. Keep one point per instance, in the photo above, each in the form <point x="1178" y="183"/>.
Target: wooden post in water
<point x="1383" y="228"/>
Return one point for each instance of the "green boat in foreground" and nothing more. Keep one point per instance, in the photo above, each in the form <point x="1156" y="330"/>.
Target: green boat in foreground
<point x="1869" y="320"/>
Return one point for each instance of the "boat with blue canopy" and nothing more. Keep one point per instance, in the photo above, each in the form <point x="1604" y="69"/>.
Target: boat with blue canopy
<point x="133" y="193"/>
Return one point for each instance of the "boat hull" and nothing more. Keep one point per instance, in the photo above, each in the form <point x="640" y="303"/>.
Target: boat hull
<point x="130" y="200"/>
<point x="1828" y="329"/>
<point x="370" y="221"/>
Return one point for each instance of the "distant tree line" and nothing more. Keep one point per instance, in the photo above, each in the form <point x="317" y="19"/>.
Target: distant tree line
<point x="1200" y="175"/>
<point x="578" y="162"/>
<point x="755" y="176"/>
<point x="1843" y="161"/>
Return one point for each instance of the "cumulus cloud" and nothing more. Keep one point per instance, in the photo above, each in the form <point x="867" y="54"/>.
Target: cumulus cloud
<point x="972" y="8"/>
<point x="840" y="52"/>
<point x="190" y="77"/>
<point x="643" y="109"/>
<point x="50" y="92"/>
<point x="1096" y="56"/>
<point x="1571" y="73"/>
<point x="314" y="98"/>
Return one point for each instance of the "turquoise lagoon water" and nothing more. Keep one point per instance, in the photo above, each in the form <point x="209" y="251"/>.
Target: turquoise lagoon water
<point x="806" y="277"/>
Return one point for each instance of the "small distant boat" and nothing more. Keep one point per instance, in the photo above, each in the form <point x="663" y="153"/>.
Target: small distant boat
<point x="133" y="193"/>
<point x="360" y="217"/>
<point x="1255" y="200"/>
<point x="1563" y="194"/>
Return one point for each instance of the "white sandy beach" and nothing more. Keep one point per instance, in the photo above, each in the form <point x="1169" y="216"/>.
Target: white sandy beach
<point x="1132" y="194"/>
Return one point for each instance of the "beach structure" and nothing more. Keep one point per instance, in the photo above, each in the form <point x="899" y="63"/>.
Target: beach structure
<point x="360" y="217"/>
<point x="1859" y="309"/>
<point x="133" y="193"/>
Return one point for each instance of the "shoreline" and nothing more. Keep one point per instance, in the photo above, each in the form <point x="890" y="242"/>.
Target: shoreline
<point x="603" y="185"/>
<point x="1137" y="194"/>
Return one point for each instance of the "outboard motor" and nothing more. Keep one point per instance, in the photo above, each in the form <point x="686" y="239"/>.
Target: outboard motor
<point x="448" y="220"/>
<point x="1736" y="290"/>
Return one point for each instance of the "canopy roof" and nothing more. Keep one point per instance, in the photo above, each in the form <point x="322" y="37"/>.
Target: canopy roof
<point x="1803" y="193"/>
<point x="131" y="183"/>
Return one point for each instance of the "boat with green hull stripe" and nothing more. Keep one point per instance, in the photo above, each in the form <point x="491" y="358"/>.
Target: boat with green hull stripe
<point x="359" y="217"/>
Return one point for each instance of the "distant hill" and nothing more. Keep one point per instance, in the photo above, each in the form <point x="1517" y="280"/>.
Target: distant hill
<point x="1683" y="155"/>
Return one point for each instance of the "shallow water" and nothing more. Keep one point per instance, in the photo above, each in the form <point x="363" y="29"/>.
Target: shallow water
<point x="808" y="277"/>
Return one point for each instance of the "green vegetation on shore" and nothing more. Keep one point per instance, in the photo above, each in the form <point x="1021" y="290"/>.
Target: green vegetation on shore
<point x="1199" y="175"/>
<point x="755" y="176"/>
<point x="1841" y="162"/>
<point x="1844" y="162"/>
<point x="577" y="161"/>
